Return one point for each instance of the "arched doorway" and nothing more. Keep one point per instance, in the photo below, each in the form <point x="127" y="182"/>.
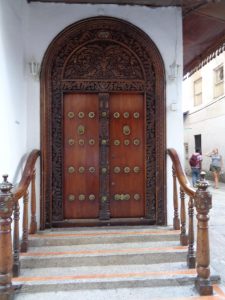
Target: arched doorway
<point x="102" y="126"/>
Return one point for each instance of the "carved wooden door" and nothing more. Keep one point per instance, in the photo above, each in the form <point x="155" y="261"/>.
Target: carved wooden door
<point x="127" y="148"/>
<point x="81" y="156"/>
<point x="104" y="156"/>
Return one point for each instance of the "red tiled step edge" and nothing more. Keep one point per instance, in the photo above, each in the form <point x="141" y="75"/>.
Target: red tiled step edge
<point x="101" y="276"/>
<point x="105" y="251"/>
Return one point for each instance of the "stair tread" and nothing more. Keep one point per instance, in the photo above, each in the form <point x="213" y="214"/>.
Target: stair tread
<point x="104" y="252"/>
<point x="155" y="246"/>
<point x="66" y="235"/>
<point x="103" y="269"/>
<point x="144" y="293"/>
<point x="101" y="236"/>
<point x="103" y="258"/>
<point x="121" y="272"/>
<point x="102" y="233"/>
<point x="118" y="276"/>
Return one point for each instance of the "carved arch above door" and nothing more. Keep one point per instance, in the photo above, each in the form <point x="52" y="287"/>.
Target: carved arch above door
<point x="103" y="55"/>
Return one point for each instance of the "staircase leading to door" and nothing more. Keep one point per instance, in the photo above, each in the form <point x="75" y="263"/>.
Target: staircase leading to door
<point x="110" y="262"/>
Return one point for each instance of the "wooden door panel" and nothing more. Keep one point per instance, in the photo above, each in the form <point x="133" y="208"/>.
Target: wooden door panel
<point x="81" y="156"/>
<point x="127" y="159"/>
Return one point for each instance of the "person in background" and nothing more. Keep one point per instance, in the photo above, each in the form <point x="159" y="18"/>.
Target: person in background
<point x="196" y="166"/>
<point x="216" y="165"/>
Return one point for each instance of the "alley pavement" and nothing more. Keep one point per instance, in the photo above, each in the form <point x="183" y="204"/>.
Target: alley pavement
<point x="217" y="230"/>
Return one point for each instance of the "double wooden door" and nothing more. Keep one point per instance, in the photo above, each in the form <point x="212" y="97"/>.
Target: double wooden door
<point x="104" y="155"/>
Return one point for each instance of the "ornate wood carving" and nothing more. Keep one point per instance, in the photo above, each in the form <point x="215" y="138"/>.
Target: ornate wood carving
<point x="103" y="59"/>
<point x="24" y="243"/>
<point x="191" y="238"/>
<point x="203" y="203"/>
<point x="6" y="261"/>
<point x="176" y="220"/>
<point x="16" y="241"/>
<point x="33" y="224"/>
<point x="183" y="234"/>
<point x="102" y="55"/>
<point x="104" y="156"/>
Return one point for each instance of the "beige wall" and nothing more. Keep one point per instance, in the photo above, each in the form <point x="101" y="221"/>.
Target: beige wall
<point x="207" y="119"/>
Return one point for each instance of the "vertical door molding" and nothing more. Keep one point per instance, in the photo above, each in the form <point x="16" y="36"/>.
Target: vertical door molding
<point x="102" y="55"/>
<point x="104" y="213"/>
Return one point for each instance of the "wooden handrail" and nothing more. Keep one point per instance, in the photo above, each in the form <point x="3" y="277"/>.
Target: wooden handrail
<point x="9" y="206"/>
<point x="201" y="200"/>
<point x="182" y="178"/>
<point x="20" y="190"/>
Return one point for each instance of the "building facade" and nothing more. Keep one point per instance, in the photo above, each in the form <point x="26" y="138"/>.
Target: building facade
<point x="204" y="111"/>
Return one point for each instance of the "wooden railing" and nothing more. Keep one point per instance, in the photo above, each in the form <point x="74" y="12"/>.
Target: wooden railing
<point x="10" y="247"/>
<point x="9" y="207"/>
<point x="201" y="200"/>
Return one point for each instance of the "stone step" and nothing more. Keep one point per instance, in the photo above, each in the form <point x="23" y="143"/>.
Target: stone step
<point x="80" y="271"/>
<point x="104" y="262"/>
<point x="103" y="246"/>
<point x="89" y="248"/>
<point x="102" y="236"/>
<point x="97" y="277"/>
<point x="124" y="276"/>
<point x="134" y="293"/>
<point x="107" y="256"/>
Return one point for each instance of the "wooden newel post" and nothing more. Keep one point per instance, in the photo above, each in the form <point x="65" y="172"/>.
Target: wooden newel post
<point x="183" y="234"/>
<point x="33" y="224"/>
<point x="203" y="203"/>
<point x="176" y="220"/>
<point x="6" y="259"/>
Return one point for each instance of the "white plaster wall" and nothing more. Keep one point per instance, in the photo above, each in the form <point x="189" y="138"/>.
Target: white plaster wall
<point x="12" y="89"/>
<point x="13" y="100"/>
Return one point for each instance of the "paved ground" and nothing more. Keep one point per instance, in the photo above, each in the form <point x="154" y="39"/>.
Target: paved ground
<point x="217" y="230"/>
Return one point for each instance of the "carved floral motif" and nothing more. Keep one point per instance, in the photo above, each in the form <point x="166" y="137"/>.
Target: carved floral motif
<point x="102" y="60"/>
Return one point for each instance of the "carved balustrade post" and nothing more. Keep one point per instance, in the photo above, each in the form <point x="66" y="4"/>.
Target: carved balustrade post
<point x="6" y="209"/>
<point x="33" y="224"/>
<point x="191" y="253"/>
<point x="16" y="241"/>
<point x="176" y="220"/>
<point x="183" y="235"/>
<point x="203" y="203"/>
<point x="24" y="244"/>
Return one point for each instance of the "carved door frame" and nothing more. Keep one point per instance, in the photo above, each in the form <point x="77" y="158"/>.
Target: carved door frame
<point x="140" y="70"/>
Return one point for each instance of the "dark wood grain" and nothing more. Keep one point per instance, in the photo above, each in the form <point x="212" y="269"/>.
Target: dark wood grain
<point x="16" y="241"/>
<point x="24" y="242"/>
<point x="191" y="259"/>
<point x="33" y="223"/>
<point x="127" y="156"/>
<point x="20" y="190"/>
<point x="176" y="220"/>
<point x="181" y="176"/>
<point x="81" y="155"/>
<point x="202" y="201"/>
